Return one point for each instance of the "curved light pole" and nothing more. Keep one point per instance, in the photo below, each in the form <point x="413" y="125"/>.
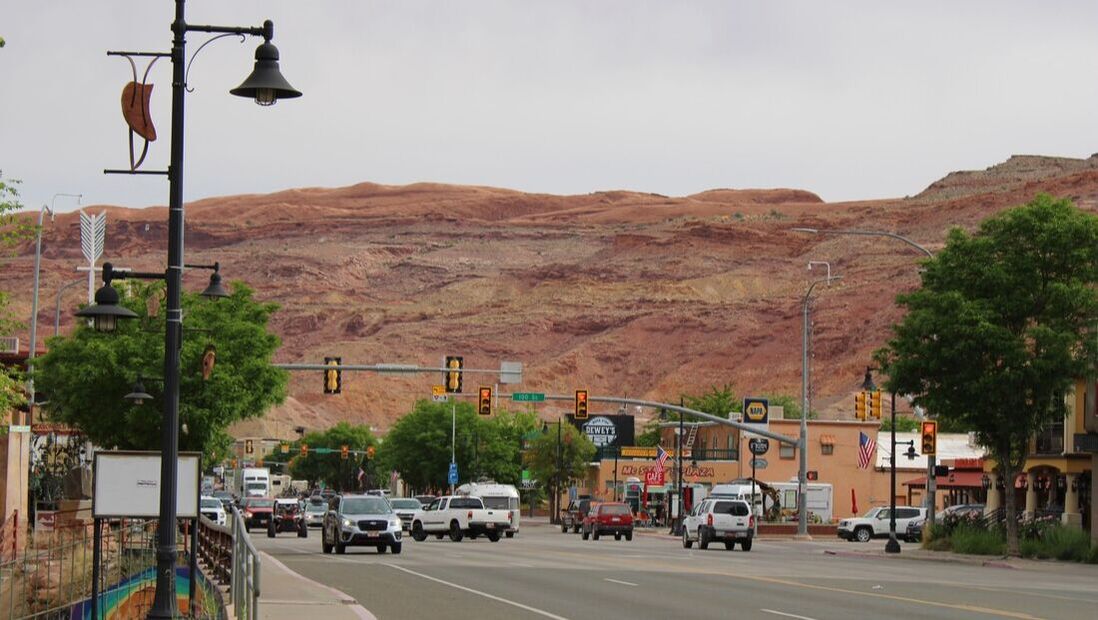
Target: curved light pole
<point x="34" y="300"/>
<point x="57" y="306"/>
<point x="802" y="475"/>
<point x="930" y="481"/>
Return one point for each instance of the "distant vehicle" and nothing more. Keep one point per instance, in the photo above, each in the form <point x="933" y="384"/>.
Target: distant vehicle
<point x="406" y="508"/>
<point x="315" y="507"/>
<point x="360" y="520"/>
<point x="287" y="516"/>
<point x="256" y="511"/>
<point x="227" y="500"/>
<point x="876" y="522"/>
<point x="252" y="482"/>
<point x="212" y="509"/>
<point x="460" y="516"/>
<point x="914" y="530"/>
<point x="609" y="518"/>
<point x="379" y="492"/>
<point x="571" y="518"/>
<point x="719" y="519"/>
<point x="497" y="497"/>
<point x="425" y="500"/>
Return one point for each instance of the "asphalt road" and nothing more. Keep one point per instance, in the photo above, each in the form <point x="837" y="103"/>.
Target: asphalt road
<point x="542" y="573"/>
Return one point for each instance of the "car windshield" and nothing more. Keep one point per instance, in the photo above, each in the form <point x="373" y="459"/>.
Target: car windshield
<point x="259" y="503"/>
<point x="405" y="504"/>
<point x="316" y="508"/>
<point x="256" y="486"/>
<point x="366" y="506"/>
<point x="211" y="503"/>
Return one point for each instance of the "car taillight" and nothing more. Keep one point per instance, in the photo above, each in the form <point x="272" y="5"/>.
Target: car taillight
<point x="510" y="515"/>
<point x="751" y="522"/>
<point x="709" y="519"/>
<point x="469" y="515"/>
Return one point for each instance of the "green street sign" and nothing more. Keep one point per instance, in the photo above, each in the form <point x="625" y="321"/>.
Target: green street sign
<point x="322" y="450"/>
<point x="528" y="397"/>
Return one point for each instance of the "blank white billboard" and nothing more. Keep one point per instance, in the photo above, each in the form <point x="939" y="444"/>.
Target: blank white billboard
<point x="127" y="484"/>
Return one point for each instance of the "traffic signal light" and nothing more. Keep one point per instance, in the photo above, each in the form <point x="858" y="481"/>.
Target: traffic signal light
<point x="484" y="403"/>
<point x="370" y="452"/>
<point x="344" y="451"/>
<point x="930" y="437"/>
<point x="454" y="364"/>
<point x="860" y="405"/>
<point x="875" y="404"/>
<point x="285" y="448"/>
<point x="333" y="377"/>
<point x="581" y="404"/>
<point x="304" y="449"/>
<point x="248" y="446"/>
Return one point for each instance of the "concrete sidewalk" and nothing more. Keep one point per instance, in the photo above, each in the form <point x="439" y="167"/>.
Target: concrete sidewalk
<point x="286" y="595"/>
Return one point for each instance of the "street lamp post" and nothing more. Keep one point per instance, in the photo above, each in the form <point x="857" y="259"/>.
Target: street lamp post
<point x="802" y="474"/>
<point x="57" y="306"/>
<point x="265" y="85"/>
<point x="930" y="460"/>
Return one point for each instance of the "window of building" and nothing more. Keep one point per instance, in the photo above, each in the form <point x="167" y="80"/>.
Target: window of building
<point x="1050" y="439"/>
<point x="787" y="451"/>
<point x="827" y="444"/>
<point x="733" y="449"/>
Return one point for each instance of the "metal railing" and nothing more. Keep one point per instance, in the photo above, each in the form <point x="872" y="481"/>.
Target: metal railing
<point x="244" y="571"/>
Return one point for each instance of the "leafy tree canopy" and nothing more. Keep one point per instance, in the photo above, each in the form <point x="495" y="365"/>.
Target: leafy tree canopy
<point x="87" y="374"/>
<point x="1001" y="326"/>
<point x="12" y="231"/>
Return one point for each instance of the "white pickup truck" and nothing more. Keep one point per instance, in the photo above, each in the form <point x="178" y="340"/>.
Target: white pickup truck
<point x="727" y="520"/>
<point x="460" y="516"/>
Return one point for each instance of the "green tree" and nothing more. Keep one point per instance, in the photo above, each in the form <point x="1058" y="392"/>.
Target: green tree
<point x="87" y="374"/>
<point x="1000" y="328"/>
<point x="575" y="453"/>
<point x="331" y="468"/>
<point x="12" y="230"/>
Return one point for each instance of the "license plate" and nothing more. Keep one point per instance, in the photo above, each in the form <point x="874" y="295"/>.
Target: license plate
<point x="616" y="520"/>
<point x="491" y="526"/>
<point x="373" y="533"/>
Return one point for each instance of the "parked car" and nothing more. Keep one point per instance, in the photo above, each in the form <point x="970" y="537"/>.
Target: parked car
<point x="360" y="520"/>
<point x="212" y="509"/>
<point x="608" y="518"/>
<point x="875" y="523"/>
<point x="571" y="518"/>
<point x="256" y="511"/>
<point x="460" y="516"/>
<point x="914" y="530"/>
<point x="287" y="517"/>
<point x="315" y="507"/>
<point x="719" y="519"/>
<point x="405" y="508"/>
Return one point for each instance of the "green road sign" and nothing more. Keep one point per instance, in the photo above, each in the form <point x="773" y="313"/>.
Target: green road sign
<point x="528" y="397"/>
<point x="322" y="450"/>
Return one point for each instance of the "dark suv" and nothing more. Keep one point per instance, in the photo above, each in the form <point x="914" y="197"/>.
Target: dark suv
<point x="571" y="518"/>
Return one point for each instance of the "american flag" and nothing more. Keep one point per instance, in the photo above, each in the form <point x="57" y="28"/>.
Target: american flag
<point x="866" y="446"/>
<point x="661" y="458"/>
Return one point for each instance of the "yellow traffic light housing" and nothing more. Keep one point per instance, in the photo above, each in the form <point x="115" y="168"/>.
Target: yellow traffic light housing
<point x="284" y="448"/>
<point x="454" y="365"/>
<point x="304" y="449"/>
<point x="370" y="452"/>
<point x="333" y="377"/>
<point x="344" y="451"/>
<point x="581" y="404"/>
<point x="860" y="405"/>
<point x="484" y="403"/>
<point x="929" y="437"/>
<point x="875" y="404"/>
<point x="248" y="448"/>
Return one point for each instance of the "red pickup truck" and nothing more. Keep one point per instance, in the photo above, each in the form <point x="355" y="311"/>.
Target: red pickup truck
<point x="609" y="518"/>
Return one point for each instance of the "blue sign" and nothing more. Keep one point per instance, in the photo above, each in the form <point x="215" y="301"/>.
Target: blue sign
<point x="452" y="477"/>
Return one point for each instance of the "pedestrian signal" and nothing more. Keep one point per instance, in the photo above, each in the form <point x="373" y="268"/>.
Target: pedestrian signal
<point x="929" y="437"/>
<point x="860" y="405"/>
<point x="581" y="404"/>
<point x="484" y="404"/>
<point x="452" y="379"/>
<point x="333" y="377"/>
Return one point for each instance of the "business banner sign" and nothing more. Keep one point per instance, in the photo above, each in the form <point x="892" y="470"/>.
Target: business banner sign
<point x="606" y="430"/>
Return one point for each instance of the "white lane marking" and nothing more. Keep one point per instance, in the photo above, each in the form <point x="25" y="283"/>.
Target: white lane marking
<point x="493" y="597"/>
<point x="624" y="583"/>
<point x="782" y="613"/>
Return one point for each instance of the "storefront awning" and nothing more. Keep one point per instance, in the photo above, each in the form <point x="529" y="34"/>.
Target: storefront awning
<point x="955" y="480"/>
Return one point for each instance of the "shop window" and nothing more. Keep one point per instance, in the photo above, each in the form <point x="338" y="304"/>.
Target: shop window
<point x="1050" y="439"/>
<point x="787" y="451"/>
<point x="827" y="448"/>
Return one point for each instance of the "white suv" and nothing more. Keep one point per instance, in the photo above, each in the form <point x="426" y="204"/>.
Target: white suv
<point x="875" y="523"/>
<point x="725" y="520"/>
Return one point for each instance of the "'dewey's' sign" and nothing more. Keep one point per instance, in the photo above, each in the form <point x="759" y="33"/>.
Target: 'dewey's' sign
<point x="606" y="430"/>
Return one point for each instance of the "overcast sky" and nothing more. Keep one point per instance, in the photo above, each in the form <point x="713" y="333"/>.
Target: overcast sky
<point x="848" y="99"/>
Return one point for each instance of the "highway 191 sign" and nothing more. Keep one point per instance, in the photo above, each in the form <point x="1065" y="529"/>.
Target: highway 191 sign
<point x="758" y="445"/>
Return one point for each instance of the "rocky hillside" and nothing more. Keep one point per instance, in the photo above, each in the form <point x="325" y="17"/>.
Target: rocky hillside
<point x="620" y="292"/>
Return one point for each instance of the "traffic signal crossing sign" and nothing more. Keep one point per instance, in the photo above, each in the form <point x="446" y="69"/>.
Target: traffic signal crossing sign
<point x="581" y="404"/>
<point x="875" y="404"/>
<point x="333" y="377"/>
<point x="929" y="437"/>
<point x="484" y="403"/>
<point x="860" y="405"/>
<point x="454" y="365"/>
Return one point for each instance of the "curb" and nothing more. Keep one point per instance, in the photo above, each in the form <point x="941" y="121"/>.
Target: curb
<point x="344" y="598"/>
<point x="951" y="559"/>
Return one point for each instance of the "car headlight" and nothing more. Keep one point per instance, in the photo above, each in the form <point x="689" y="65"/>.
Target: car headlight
<point x="348" y="523"/>
<point x="843" y="523"/>
<point x="395" y="522"/>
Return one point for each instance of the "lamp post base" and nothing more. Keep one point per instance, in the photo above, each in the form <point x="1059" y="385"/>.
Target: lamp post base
<point x="893" y="545"/>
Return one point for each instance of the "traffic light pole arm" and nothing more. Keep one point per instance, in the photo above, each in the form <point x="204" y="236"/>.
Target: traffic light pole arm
<point x="387" y="368"/>
<point x="866" y="233"/>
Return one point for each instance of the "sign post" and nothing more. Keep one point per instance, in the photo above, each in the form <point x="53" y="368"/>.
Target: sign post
<point x="758" y="447"/>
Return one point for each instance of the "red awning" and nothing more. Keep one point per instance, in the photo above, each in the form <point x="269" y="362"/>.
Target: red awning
<point x="955" y="480"/>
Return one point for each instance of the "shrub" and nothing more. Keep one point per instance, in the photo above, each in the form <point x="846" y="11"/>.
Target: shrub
<point x="967" y="538"/>
<point x="1061" y="543"/>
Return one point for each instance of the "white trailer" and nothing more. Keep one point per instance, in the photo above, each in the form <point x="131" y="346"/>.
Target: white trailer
<point x="821" y="502"/>
<point x="252" y="482"/>
<point x="496" y="496"/>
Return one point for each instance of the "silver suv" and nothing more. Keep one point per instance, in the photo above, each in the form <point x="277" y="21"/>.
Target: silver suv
<point x="360" y="520"/>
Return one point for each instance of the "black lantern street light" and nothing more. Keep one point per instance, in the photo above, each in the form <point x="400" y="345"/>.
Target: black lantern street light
<point x="265" y="85"/>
